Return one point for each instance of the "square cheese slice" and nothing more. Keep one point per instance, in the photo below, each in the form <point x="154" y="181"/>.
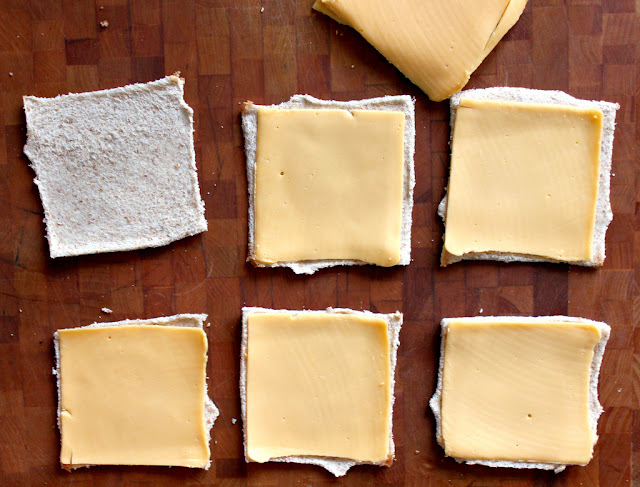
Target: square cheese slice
<point x="519" y="392"/>
<point x="330" y="182"/>
<point x="317" y="386"/>
<point x="134" y="392"/>
<point x="436" y="44"/>
<point x="116" y="169"/>
<point x="526" y="179"/>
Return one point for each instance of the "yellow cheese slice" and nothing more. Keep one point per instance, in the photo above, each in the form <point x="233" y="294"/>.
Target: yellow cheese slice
<point x="524" y="179"/>
<point x="518" y="391"/>
<point x="436" y="44"/>
<point x="133" y="395"/>
<point x="329" y="185"/>
<point x="318" y="385"/>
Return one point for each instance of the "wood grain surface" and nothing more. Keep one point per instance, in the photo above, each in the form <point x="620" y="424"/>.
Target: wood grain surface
<point x="230" y="51"/>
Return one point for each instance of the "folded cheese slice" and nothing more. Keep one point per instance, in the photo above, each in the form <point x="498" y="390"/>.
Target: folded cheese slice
<point x="436" y="44"/>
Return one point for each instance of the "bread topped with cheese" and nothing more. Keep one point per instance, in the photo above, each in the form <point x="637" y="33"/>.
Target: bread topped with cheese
<point x="294" y="369"/>
<point x="529" y="179"/>
<point x="330" y="183"/>
<point x="519" y="392"/>
<point x="138" y="385"/>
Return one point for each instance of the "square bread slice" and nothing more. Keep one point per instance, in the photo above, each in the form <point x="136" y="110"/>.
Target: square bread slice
<point x="134" y="392"/>
<point x="298" y="408"/>
<point x="519" y="392"/>
<point x="534" y="198"/>
<point x="116" y="169"/>
<point x="350" y="221"/>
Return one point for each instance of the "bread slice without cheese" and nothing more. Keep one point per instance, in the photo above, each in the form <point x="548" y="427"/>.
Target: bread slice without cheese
<point x="399" y="103"/>
<point x="604" y="214"/>
<point x="337" y="466"/>
<point x="595" y="408"/>
<point x="211" y="412"/>
<point x="116" y="169"/>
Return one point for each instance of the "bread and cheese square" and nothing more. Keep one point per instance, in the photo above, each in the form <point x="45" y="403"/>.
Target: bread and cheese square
<point x="519" y="392"/>
<point x="529" y="179"/>
<point x="115" y="168"/>
<point x="330" y="182"/>
<point x="436" y="44"/>
<point x="317" y="386"/>
<point x="134" y="392"/>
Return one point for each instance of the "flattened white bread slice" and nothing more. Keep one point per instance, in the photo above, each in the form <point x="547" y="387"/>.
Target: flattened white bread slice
<point x="211" y="412"/>
<point x="604" y="214"/>
<point x="595" y="408"/>
<point x="337" y="466"/>
<point x="398" y="103"/>
<point x="116" y="168"/>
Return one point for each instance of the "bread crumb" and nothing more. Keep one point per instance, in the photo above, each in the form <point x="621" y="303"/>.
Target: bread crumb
<point x="481" y="310"/>
<point x="107" y="311"/>
<point x="104" y="23"/>
<point x="10" y="74"/>
<point x="262" y="10"/>
<point x="234" y="420"/>
<point x="352" y="66"/>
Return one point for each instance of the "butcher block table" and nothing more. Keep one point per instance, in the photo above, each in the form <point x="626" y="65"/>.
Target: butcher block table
<point x="230" y="51"/>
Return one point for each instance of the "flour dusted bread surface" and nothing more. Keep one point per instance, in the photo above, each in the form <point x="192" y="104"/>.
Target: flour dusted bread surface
<point x="594" y="406"/>
<point x="337" y="466"/>
<point x="401" y="103"/>
<point x="210" y="411"/>
<point x="115" y="168"/>
<point x="603" y="215"/>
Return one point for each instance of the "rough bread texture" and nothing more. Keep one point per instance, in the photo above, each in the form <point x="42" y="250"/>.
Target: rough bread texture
<point x="400" y="103"/>
<point x="116" y="168"/>
<point x="595" y="408"/>
<point x="337" y="466"/>
<point x="603" y="205"/>
<point x="211" y="412"/>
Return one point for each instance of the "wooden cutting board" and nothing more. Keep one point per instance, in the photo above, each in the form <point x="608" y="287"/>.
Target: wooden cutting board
<point x="232" y="51"/>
